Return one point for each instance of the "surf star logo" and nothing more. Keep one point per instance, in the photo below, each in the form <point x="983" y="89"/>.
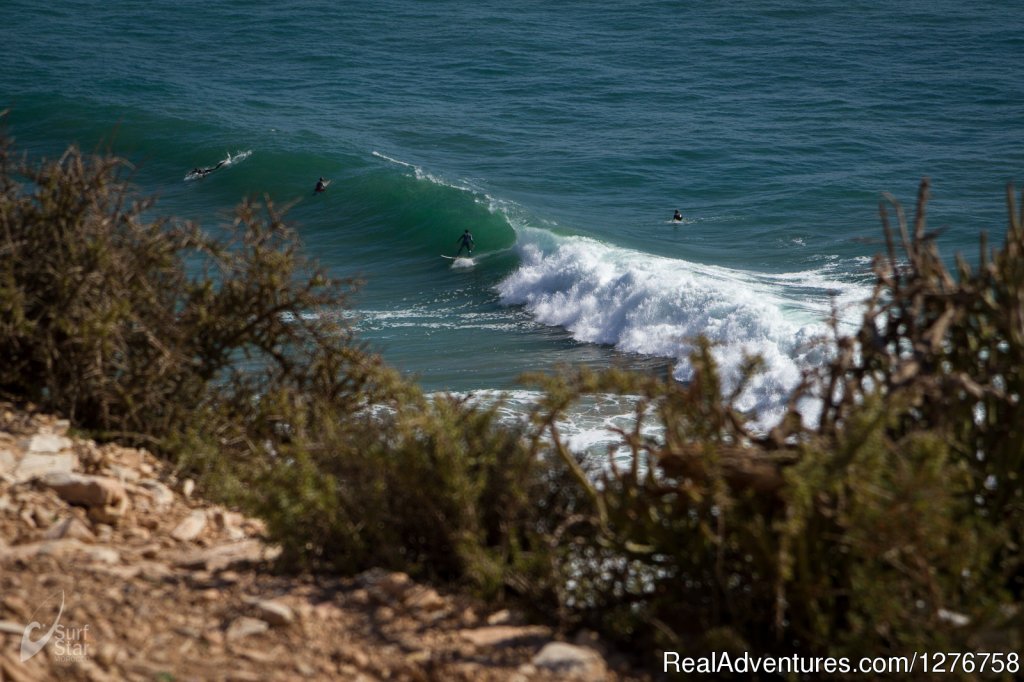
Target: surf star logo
<point x="30" y="648"/>
<point x="68" y="645"/>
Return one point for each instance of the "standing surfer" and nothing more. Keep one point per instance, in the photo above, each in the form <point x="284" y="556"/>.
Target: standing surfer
<point x="465" y="242"/>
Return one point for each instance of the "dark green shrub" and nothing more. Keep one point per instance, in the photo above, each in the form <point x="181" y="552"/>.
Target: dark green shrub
<point x="438" y="488"/>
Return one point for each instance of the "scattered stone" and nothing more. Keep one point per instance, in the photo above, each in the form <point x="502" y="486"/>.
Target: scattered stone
<point x="59" y="549"/>
<point x="8" y="627"/>
<point x="273" y="612"/>
<point x="42" y="517"/>
<point x="8" y="462"/>
<point x="104" y="531"/>
<point x="230" y="522"/>
<point x="244" y="626"/>
<point x="14" y="670"/>
<point x="35" y="465"/>
<point x="233" y="554"/>
<point x="123" y="473"/>
<point x="154" y="571"/>
<point x="88" y="491"/>
<point x="498" y="636"/>
<point x="353" y="656"/>
<point x="46" y="442"/>
<point x="108" y="654"/>
<point x="160" y="609"/>
<point x="190" y="528"/>
<point x="160" y="494"/>
<point x="70" y="527"/>
<point x="425" y="599"/>
<point x="502" y="617"/>
<point x="16" y="605"/>
<point x="571" y="662"/>
<point x="385" y="586"/>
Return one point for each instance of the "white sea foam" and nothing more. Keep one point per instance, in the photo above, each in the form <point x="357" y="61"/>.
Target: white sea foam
<point x="392" y="160"/>
<point x="588" y="427"/>
<point x="427" y="318"/>
<point x="657" y="306"/>
<point x="426" y="176"/>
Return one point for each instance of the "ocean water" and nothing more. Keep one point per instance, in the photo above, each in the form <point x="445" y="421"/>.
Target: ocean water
<point x="563" y="135"/>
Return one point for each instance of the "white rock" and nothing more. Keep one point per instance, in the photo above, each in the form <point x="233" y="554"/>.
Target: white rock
<point x="46" y="443"/>
<point x="244" y="626"/>
<point x="35" y="465"/>
<point x="275" y="613"/>
<point x="161" y="495"/>
<point x="190" y="528"/>
<point x="571" y="662"/>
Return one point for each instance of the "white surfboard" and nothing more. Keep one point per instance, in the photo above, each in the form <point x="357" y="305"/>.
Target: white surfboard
<point x="460" y="261"/>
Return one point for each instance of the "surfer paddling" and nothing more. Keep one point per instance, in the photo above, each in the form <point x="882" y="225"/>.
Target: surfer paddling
<point x="465" y="242"/>
<point x="678" y="217"/>
<point x="203" y="172"/>
<point x="321" y="185"/>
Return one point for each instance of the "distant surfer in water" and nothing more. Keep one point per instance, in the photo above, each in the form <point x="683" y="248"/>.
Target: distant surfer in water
<point x="465" y="242"/>
<point x="203" y="172"/>
<point x="321" y="185"/>
<point x="678" y="217"/>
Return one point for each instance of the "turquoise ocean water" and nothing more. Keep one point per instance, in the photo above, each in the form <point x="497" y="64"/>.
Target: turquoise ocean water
<point x="563" y="135"/>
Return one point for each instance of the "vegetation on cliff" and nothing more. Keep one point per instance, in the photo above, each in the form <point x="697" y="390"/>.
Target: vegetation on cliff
<point x="892" y="525"/>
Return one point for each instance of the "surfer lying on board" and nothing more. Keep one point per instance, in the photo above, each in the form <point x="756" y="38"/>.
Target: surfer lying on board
<point x="678" y="217"/>
<point x="321" y="185"/>
<point x="203" y="172"/>
<point x="465" y="242"/>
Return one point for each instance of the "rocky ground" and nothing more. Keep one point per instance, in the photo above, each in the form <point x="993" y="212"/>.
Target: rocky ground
<point x="111" y="569"/>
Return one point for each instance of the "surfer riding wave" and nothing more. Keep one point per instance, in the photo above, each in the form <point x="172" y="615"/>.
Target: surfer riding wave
<point x="465" y="242"/>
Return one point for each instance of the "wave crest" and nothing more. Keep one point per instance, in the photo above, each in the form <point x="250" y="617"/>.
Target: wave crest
<point x="657" y="306"/>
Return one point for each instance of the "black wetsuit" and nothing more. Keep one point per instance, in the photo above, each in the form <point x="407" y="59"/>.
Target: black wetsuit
<point x="466" y="243"/>
<point x="203" y="172"/>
